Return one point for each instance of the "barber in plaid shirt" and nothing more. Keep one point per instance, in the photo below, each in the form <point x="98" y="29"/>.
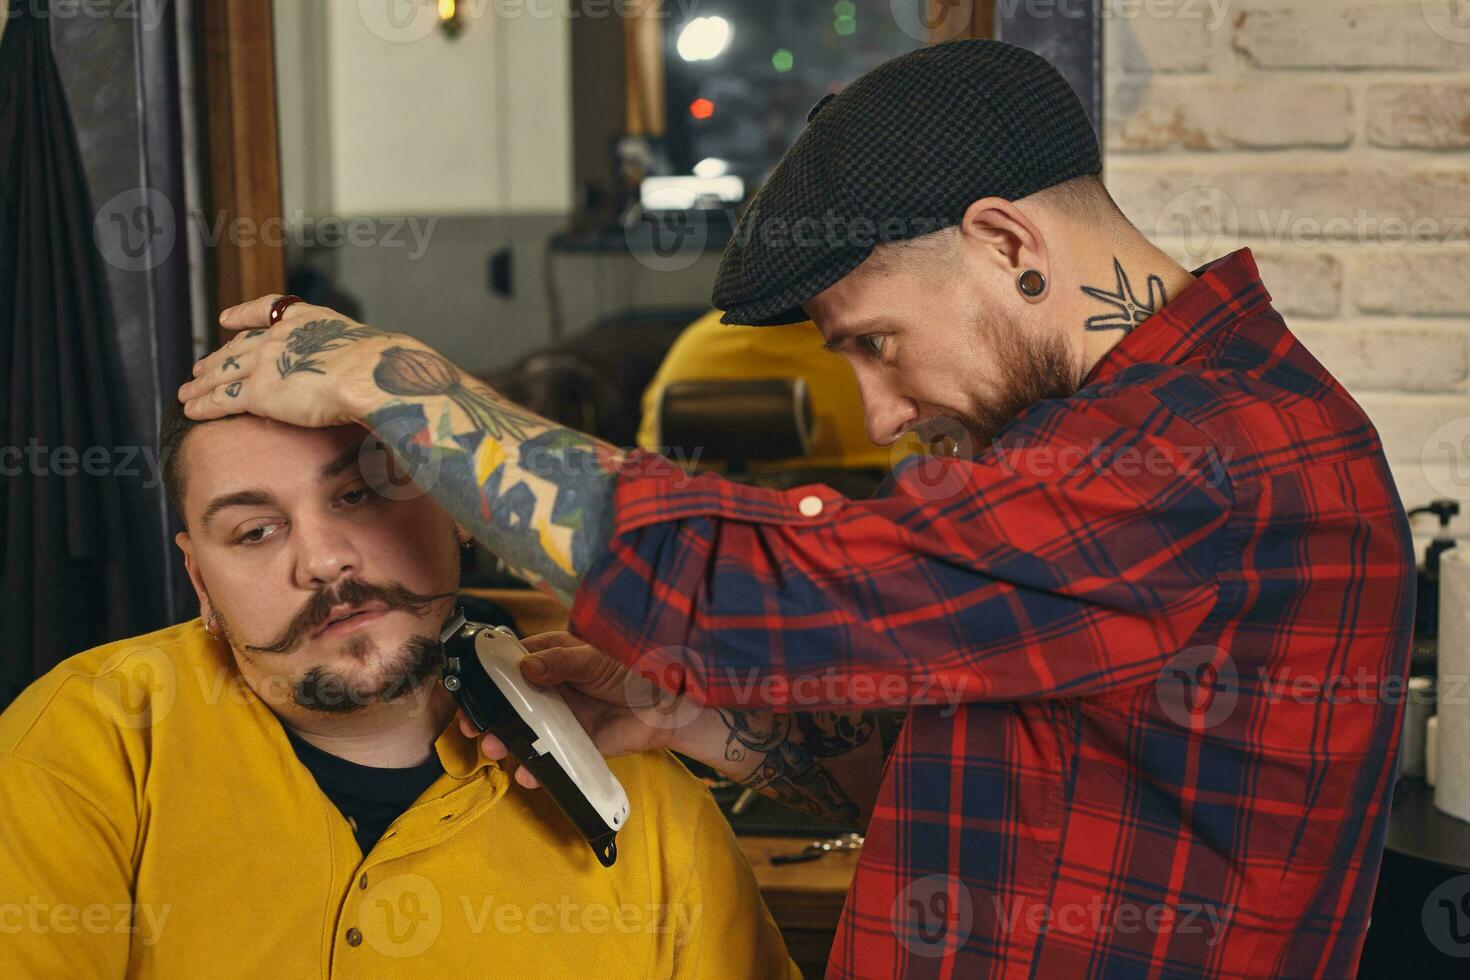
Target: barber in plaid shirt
<point x="1149" y="619"/>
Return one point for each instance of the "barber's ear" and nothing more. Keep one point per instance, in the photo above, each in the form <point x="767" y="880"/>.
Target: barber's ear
<point x="1005" y="236"/>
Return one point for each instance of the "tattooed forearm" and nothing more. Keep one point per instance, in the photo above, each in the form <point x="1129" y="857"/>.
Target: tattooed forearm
<point x="423" y="374"/>
<point x="537" y="494"/>
<point x="789" y="750"/>
<point x="1127" y="310"/>
<point x="318" y="337"/>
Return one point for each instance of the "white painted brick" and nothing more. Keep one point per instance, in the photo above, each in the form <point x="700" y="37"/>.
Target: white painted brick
<point x="1423" y="430"/>
<point x="1151" y="114"/>
<point x="1144" y="44"/>
<point x="1215" y="211"/>
<point x="1385" y="357"/>
<point x="1431" y="116"/>
<point x="1407" y="34"/>
<point x="1413" y="282"/>
<point x="1302" y="283"/>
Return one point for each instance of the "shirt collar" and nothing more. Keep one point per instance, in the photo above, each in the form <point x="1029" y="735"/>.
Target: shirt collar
<point x="461" y="756"/>
<point x="1225" y="291"/>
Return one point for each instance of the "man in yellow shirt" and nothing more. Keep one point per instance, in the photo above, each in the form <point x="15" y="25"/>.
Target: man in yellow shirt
<point x="279" y="787"/>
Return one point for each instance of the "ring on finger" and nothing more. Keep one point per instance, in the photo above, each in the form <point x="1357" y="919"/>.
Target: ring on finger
<point x="280" y="304"/>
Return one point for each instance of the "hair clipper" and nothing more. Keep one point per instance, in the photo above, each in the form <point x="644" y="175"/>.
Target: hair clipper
<point x="482" y="671"/>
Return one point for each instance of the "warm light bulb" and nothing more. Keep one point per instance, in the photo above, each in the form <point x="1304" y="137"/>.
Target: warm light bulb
<point x="704" y="38"/>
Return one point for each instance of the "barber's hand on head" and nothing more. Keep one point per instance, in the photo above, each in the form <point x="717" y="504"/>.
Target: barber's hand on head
<point x="313" y="368"/>
<point x="601" y="692"/>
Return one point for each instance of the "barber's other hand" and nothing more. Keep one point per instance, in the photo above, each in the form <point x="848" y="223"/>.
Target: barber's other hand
<point x="313" y="368"/>
<point x="602" y="693"/>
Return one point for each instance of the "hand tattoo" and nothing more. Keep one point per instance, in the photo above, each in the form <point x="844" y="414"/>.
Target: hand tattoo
<point x="1128" y="310"/>
<point x="318" y="337"/>
<point x="230" y="362"/>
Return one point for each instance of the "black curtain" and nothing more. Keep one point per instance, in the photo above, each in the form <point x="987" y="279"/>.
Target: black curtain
<point x="65" y="582"/>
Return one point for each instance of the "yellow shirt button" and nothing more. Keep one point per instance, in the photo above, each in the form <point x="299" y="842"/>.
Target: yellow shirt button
<point x="810" y="506"/>
<point x="354" y="936"/>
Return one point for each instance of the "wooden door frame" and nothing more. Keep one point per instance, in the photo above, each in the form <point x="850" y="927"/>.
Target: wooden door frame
<point x="981" y="21"/>
<point x="243" y="158"/>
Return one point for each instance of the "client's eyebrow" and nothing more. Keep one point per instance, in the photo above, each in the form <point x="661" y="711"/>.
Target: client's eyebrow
<point x="240" y="498"/>
<point x="256" y="498"/>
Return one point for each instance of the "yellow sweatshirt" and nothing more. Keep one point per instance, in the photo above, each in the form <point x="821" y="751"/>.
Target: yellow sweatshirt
<point x="155" y="822"/>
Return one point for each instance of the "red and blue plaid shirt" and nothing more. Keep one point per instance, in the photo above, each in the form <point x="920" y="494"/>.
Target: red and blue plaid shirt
<point x="1154" y="640"/>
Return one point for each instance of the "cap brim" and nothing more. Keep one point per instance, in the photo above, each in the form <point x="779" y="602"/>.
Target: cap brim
<point x="784" y="306"/>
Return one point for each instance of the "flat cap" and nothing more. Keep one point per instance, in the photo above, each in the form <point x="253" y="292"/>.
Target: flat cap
<point x="901" y="152"/>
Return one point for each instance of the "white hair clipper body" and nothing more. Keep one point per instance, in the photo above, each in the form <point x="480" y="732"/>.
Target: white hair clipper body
<point x="482" y="671"/>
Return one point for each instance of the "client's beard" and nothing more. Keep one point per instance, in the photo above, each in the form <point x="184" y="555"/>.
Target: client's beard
<point x="330" y="692"/>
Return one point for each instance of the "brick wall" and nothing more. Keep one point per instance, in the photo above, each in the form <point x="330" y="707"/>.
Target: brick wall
<point x="1332" y="137"/>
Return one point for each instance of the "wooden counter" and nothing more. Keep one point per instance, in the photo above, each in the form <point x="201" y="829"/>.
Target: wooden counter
<point x="805" y="899"/>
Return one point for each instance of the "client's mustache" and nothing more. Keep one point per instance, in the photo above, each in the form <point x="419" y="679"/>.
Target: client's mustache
<point x="352" y="592"/>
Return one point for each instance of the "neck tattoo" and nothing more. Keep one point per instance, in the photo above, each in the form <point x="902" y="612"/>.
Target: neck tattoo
<point x="1127" y="310"/>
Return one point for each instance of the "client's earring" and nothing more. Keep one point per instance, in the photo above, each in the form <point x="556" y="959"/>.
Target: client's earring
<point x="211" y="627"/>
<point x="1031" y="283"/>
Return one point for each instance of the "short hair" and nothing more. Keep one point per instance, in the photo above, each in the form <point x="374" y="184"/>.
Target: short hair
<point x="1085" y="197"/>
<point x="172" y="429"/>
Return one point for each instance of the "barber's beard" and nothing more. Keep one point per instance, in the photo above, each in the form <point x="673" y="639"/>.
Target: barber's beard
<point x="1033" y="369"/>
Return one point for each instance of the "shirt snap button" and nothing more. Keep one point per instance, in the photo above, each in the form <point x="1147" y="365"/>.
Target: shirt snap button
<point x="362" y="882"/>
<point x="810" y="506"/>
<point x="354" y="936"/>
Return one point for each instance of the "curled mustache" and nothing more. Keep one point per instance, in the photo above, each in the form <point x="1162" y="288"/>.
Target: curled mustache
<point x="353" y="592"/>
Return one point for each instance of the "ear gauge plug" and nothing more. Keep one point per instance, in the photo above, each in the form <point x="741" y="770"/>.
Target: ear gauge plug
<point x="1031" y="283"/>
